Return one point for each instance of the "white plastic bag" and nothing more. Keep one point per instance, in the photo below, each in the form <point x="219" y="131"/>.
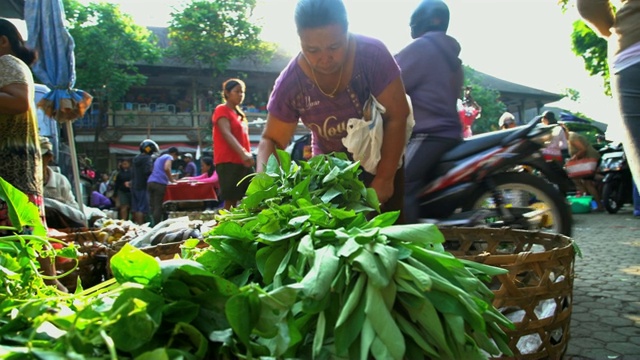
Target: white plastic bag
<point x="364" y="136"/>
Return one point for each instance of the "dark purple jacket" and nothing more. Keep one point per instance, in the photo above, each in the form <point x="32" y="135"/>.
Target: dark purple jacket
<point x="428" y="74"/>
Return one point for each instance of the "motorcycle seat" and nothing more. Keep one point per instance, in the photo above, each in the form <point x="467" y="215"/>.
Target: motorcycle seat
<point x="477" y="143"/>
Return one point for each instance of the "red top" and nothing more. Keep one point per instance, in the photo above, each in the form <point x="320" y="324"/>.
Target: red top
<point x="222" y="152"/>
<point x="468" y="115"/>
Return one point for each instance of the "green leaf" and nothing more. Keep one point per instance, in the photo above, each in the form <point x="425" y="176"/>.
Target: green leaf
<point x="231" y="230"/>
<point x="385" y="327"/>
<point x="196" y="340"/>
<point x="422" y="311"/>
<point x="349" y="248"/>
<point x="260" y="182"/>
<point x="383" y="220"/>
<point x="180" y="311"/>
<point x="367" y="336"/>
<point x="455" y="325"/>
<point x="425" y="234"/>
<point x="131" y="264"/>
<point x="318" y="338"/>
<point x="347" y="331"/>
<point x="330" y="194"/>
<point x="21" y="211"/>
<point x="409" y="329"/>
<point x="285" y="160"/>
<point x="259" y="197"/>
<point x="317" y="282"/>
<point x="487" y="269"/>
<point x="243" y="314"/>
<point x="372" y="199"/>
<point x="353" y="299"/>
<point x="383" y="324"/>
<point x="139" y="317"/>
<point x="281" y="235"/>
<point x="273" y="263"/>
<point x="373" y="267"/>
<point x="421" y="280"/>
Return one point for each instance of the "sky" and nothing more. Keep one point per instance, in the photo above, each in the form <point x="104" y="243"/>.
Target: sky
<point x="522" y="41"/>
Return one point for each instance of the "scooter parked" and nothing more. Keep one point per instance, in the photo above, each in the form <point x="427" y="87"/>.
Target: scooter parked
<point x="617" y="184"/>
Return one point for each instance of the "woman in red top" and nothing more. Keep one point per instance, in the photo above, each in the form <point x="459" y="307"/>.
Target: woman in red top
<point x="231" y="146"/>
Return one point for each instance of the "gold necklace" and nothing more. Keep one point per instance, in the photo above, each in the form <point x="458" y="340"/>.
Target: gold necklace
<point x="333" y="93"/>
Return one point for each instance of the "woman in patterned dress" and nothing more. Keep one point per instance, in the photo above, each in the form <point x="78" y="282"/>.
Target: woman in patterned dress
<point x="21" y="163"/>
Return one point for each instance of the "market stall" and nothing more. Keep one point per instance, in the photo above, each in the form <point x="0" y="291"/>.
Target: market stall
<point x="189" y="192"/>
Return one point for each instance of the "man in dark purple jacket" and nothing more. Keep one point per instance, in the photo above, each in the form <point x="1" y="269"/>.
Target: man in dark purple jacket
<point x="433" y="77"/>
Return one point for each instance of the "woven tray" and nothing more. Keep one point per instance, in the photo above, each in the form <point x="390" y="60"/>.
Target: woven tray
<point x="92" y="270"/>
<point x="537" y="293"/>
<point x="86" y="240"/>
<point x="164" y="251"/>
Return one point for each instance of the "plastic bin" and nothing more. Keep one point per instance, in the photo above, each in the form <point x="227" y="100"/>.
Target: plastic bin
<point x="580" y="204"/>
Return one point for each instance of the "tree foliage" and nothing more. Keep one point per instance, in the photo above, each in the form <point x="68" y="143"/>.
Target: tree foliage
<point x="593" y="51"/>
<point x="209" y="34"/>
<point x="586" y="44"/>
<point x="108" y="46"/>
<point x="488" y="99"/>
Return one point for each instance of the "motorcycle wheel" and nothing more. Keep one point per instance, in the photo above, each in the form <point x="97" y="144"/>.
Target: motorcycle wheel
<point x="611" y="197"/>
<point x="525" y="196"/>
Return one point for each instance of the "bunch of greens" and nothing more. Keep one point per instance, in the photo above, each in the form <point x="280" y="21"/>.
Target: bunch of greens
<point x="151" y="310"/>
<point x="20" y="247"/>
<point x="298" y="270"/>
<point x="368" y="287"/>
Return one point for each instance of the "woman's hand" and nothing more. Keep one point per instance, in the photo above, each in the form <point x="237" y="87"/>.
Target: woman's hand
<point x="248" y="160"/>
<point x="383" y="187"/>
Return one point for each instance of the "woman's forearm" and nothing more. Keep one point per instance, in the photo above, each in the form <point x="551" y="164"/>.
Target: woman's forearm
<point x="393" y="142"/>
<point x="11" y="103"/>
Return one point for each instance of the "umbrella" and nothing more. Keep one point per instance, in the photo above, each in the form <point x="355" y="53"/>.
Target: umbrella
<point x="56" y="68"/>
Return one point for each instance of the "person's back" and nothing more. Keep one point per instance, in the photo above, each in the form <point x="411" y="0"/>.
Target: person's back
<point x="433" y="78"/>
<point x="142" y="167"/>
<point x="433" y="88"/>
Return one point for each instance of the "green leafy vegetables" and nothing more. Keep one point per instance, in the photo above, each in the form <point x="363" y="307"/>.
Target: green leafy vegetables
<point x="300" y="269"/>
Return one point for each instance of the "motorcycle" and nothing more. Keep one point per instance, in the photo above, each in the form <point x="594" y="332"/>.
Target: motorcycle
<point x="474" y="185"/>
<point x="617" y="184"/>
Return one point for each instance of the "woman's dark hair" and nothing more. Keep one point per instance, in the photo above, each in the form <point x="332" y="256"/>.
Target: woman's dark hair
<point x="209" y="161"/>
<point x="311" y="14"/>
<point x="550" y="116"/>
<point x="18" y="47"/>
<point x="430" y="15"/>
<point x="228" y="86"/>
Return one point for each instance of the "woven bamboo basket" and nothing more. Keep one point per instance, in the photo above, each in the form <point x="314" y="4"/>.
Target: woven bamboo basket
<point x="92" y="261"/>
<point x="536" y="293"/>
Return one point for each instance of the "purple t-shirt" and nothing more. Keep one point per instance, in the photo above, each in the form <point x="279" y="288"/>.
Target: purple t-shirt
<point x="158" y="175"/>
<point x="296" y="96"/>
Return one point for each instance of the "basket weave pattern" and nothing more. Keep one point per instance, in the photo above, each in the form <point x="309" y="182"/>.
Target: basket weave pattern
<point x="92" y="262"/>
<point x="537" y="290"/>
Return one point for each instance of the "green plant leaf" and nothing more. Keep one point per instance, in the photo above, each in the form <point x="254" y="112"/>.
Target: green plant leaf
<point x="131" y="264"/>
<point x="21" y="211"/>
<point x="424" y="234"/>
<point x="139" y="317"/>
<point x="242" y="314"/>
<point x="317" y="282"/>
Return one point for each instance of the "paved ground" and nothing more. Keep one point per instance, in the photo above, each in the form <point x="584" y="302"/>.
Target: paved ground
<point x="605" y="322"/>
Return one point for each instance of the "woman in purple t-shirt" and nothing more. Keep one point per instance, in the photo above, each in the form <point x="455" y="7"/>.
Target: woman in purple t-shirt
<point x="327" y="83"/>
